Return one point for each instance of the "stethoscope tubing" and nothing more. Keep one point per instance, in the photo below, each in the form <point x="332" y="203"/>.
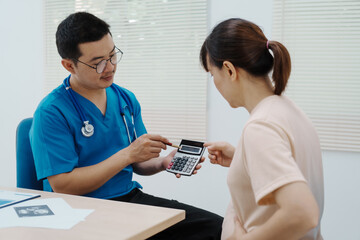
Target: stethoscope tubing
<point x="73" y="99"/>
<point x="78" y="108"/>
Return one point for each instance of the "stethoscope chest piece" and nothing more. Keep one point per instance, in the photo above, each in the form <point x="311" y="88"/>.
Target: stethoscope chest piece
<point x="87" y="130"/>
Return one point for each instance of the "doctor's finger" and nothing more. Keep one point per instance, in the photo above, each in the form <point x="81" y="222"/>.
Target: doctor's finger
<point x="150" y="155"/>
<point x="172" y="153"/>
<point x="155" y="149"/>
<point x="157" y="144"/>
<point x="159" y="138"/>
<point x="198" y="166"/>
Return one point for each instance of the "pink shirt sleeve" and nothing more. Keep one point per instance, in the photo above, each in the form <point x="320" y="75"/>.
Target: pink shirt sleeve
<point x="269" y="159"/>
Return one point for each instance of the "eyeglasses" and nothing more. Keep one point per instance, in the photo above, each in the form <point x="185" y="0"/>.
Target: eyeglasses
<point x="100" y="67"/>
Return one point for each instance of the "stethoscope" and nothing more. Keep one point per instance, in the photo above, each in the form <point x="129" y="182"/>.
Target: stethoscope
<point x="87" y="128"/>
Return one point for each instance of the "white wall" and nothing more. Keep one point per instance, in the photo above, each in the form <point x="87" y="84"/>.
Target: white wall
<point x="21" y="65"/>
<point x="21" y="86"/>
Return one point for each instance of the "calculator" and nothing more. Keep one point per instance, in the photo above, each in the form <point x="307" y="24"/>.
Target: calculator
<point x="186" y="158"/>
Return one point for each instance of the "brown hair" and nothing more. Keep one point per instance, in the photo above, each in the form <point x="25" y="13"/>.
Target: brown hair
<point x="244" y="45"/>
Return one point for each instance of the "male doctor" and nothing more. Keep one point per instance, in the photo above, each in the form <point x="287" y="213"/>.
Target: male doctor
<point x="88" y="136"/>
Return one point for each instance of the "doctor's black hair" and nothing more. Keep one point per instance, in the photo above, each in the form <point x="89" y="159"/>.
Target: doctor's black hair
<point x="77" y="28"/>
<point x="244" y="44"/>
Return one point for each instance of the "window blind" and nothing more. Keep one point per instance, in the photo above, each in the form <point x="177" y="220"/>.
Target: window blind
<point x="161" y="41"/>
<point x="323" y="38"/>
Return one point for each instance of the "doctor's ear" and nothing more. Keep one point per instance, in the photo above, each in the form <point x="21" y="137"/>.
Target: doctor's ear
<point x="230" y="69"/>
<point x="68" y="65"/>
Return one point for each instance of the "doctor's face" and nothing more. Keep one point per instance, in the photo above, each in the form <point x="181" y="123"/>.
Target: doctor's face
<point x="92" y="54"/>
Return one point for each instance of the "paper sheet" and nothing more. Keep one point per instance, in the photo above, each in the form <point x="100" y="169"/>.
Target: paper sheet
<point x="35" y="213"/>
<point x="10" y="197"/>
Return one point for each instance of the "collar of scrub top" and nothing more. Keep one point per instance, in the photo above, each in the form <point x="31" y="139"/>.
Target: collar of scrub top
<point x="87" y="129"/>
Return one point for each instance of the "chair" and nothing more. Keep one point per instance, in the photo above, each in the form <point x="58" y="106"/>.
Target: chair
<point x="25" y="167"/>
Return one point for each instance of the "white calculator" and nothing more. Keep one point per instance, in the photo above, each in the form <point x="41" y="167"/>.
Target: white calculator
<point x="186" y="158"/>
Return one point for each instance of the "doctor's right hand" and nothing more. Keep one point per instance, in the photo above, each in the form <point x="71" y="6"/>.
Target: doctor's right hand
<point x="146" y="147"/>
<point x="220" y="153"/>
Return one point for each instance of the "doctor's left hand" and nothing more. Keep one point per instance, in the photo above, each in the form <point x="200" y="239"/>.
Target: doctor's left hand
<point x="169" y="157"/>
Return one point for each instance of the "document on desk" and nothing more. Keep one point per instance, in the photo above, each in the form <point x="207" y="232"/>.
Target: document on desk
<point x="8" y="198"/>
<point x="44" y="213"/>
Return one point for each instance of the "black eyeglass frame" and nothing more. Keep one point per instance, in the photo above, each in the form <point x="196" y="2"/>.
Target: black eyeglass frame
<point x="106" y="60"/>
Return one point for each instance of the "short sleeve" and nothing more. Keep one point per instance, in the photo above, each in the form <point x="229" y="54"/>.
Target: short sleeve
<point x="269" y="160"/>
<point x="52" y="143"/>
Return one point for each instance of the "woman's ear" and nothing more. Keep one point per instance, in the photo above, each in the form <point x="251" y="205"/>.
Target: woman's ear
<point x="68" y="65"/>
<point x="230" y="70"/>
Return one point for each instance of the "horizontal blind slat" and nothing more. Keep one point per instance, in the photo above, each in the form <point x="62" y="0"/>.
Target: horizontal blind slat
<point x="161" y="42"/>
<point x="323" y="38"/>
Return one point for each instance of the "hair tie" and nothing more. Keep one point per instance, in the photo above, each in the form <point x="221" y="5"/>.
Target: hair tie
<point x="267" y="44"/>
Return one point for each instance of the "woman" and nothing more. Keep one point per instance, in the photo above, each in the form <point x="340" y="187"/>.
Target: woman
<point x="275" y="173"/>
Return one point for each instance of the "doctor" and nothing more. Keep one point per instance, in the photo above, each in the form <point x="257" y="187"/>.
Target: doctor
<point x="88" y="136"/>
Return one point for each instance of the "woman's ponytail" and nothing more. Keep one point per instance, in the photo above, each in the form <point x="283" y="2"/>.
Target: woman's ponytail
<point x="282" y="66"/>
<point x="245" y="45"/>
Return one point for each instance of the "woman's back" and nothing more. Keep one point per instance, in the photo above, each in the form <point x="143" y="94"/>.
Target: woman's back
<point x="279" y="146"/>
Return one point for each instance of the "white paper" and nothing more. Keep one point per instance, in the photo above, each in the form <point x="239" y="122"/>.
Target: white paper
<point x="9" y="197"/>
<point x="64" y="216"/>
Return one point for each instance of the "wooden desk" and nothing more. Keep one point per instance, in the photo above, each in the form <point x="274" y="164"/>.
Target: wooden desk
<point x="110" y="220"/>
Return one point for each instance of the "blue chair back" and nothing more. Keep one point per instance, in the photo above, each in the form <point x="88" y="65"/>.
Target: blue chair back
<point x="25" y="167"/>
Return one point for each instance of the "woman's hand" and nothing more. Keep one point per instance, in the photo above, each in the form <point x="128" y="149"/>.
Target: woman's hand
<point x="220" y="153"/>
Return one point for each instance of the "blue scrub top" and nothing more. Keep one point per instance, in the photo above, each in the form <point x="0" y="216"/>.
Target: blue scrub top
<point x="58" y="145"/>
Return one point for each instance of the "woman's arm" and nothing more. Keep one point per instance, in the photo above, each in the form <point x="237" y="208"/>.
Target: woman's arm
<point x="220" y="153"/>
<point x="298" y="213"/>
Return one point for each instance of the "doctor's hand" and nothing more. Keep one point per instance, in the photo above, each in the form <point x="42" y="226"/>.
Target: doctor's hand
<point x="146" y="147"/>
<point x="169" y="157"/>
<point x="220" y="153"/>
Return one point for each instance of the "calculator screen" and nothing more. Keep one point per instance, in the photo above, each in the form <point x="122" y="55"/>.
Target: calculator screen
<point x="186" y="148"/>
